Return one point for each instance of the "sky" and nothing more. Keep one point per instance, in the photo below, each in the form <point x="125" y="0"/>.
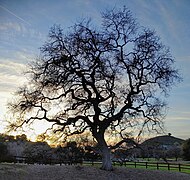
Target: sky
<point x="24" y="27"/>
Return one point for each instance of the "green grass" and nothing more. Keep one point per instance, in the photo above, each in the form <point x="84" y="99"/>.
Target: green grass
<point x="163" y="167"/>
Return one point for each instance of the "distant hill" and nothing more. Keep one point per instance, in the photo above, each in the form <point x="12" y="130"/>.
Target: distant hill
<point x="163" y="140"/>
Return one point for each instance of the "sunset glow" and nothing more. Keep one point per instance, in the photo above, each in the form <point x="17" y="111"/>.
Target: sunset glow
<point x="24" y="27"/>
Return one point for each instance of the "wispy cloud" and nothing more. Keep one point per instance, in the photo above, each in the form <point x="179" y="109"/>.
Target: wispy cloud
<point x="14" y="29"/>
<point x="10" y="25"/>
<point x="12" y="13"/>
<point x="11" y="67"/>
<point x="169" y="20"/>
<point x="178" y="118"/>
<point x="11" y="76"/>
<point x="178" y="126"/>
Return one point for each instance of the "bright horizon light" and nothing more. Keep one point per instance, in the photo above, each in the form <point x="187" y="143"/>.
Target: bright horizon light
<point x="24" y="28"/>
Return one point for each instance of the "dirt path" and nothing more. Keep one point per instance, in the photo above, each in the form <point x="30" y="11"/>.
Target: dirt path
<point x="47" y="172"/>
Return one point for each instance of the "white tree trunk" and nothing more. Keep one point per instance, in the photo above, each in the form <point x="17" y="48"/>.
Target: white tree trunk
<point x="105" y="152"/>
<point x="106" y="159"/>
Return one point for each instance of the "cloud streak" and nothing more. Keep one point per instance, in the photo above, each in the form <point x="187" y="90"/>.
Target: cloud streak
<point x="18" y="17"/>
<point x="10" y="79"/>
<point x="11" y="76"/>
<point x="11" y="67"/>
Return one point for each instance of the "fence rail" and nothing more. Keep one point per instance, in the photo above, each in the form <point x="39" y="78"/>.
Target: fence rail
<point x="29" y="160"/>
<point x="157" y="165"/>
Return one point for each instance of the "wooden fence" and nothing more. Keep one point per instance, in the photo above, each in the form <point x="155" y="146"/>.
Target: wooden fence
<point x="29" y="160"/>
<point x="155" y="165"/>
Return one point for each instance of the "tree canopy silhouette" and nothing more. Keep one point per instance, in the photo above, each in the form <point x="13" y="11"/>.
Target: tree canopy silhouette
<point x="186" y="150"/>
<point x="97" y="79"/>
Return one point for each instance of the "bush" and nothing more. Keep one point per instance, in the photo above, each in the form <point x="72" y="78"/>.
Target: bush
<point x="3" y="152"/>
<point x="186" y="150"/>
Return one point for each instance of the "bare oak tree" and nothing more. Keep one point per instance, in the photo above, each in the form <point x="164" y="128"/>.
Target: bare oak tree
<point x="102" y="79"/>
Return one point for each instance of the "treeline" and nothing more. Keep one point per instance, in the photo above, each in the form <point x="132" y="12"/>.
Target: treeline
<point x="80" y="150"/>
<point x="160" y="148"/>
<point x="41" y="152"/>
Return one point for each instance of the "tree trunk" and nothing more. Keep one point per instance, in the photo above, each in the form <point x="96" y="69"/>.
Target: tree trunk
<point x="106" y="159"/>
<point x="104" y="151"/>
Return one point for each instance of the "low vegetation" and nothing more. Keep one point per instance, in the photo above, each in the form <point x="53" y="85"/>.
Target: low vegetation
<point x="156" y="149"/>
<point x="154" y="165"/>
<point x="186" y="150"/>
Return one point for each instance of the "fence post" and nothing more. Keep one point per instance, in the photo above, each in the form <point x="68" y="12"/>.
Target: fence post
<point x="168" y="166"/>
<point x="179" y="167"/>
<point x="157" y="166"/>
<point x="135" y="164"/>
<point x="146" y="165"/>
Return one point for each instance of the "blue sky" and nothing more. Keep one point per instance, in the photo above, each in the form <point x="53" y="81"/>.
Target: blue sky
<point x="24" y="26"/>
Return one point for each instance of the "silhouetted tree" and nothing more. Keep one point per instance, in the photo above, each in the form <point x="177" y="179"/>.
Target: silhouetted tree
<point x="22" y="137"/>
<point x="2" y="137"/>
<point x="70" y="152"/>
<point x="99" y="79"/>
<point x="39" y="152"/>
<point x="175" y="151"/>
<point x="3" y="152"/>
<point x="186" y="150"/>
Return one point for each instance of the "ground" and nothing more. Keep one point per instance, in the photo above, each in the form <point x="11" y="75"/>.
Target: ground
<point x="56" y="172"/>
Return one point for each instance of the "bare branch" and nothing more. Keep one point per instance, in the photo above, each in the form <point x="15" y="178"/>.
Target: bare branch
<point x="113" y="77"/>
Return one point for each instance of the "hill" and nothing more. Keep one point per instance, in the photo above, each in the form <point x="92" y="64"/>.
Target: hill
<point x="163" y="140"/>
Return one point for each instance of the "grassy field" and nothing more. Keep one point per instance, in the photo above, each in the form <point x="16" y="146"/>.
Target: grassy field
<point x="151" y="165"/>
<point x="185" y="168"/>
<point x="78" y="172"/>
